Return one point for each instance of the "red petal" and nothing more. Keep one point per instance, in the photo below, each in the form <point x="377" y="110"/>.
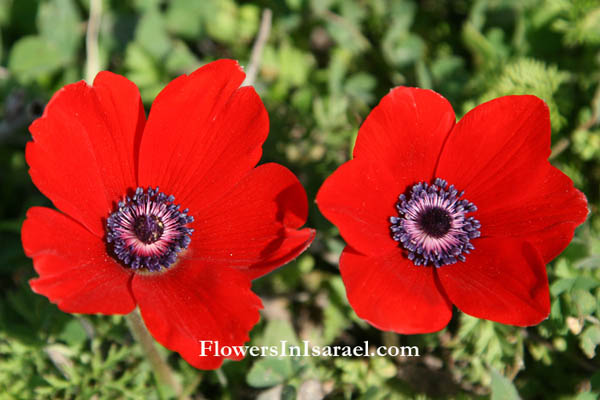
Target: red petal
<point x="546" y="218"/>
<point x="250" y="226"/>
<point x="121" y="98"/>
<point x="359" y="198"/>
<point x="82" y="157"/>
<point x="498" y="155"/>
<point x="406" y="132"/>
<point x="502" y="280"/>
<point x="291" y="245"/>
<point x="203" y="135"/>
<point x="498" y="152"/>
<point x="393" y="294"/>
<point x="195" y="302"/>
<point x="75" y="271"/>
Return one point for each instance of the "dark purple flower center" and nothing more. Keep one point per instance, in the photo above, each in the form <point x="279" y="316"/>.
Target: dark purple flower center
<point x="435" y="222"/>
<point x="148" y="230"/>
<point x="432" y="224"/>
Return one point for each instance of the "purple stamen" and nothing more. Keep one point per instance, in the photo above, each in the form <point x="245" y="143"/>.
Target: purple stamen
<point x="148" y="230"/>
<point x="432" y="226"/>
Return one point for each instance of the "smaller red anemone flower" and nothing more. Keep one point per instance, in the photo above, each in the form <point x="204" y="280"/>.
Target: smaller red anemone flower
<point x="168" y="214"/>
<point x="437" y="213"/>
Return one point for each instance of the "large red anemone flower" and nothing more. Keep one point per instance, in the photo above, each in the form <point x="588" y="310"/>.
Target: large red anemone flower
<point x="437" y="213"/>
<point x="169" y="214"/>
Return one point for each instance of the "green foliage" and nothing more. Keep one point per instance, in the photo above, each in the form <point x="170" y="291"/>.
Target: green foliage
<point x="55" y="46"/>
<point x="579" y="21"/>
<point x="527" y="76"/>
<point x="72" y="360"/>
<point x="502" y="388"/>
<point x="33" y="58"/>
<point x="270" y="371"/>
<point x="587" y="144"/>
<point x="500" y="347"/>
<point x="325" y="66"/>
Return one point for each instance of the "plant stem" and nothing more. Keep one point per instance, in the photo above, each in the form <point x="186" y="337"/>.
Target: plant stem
<point x="91" y="41"/>
<point x="161" y="369"/>
<point x="257" y="49"/>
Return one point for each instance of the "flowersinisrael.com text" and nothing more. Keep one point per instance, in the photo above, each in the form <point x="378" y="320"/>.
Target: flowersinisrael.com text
<point x="212" y="347"/>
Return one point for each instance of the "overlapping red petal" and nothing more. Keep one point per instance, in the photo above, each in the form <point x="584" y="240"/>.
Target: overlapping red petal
<point x="204" y="133"/>
<point x="547" y="219"/>
<point x="83" y="154"/>
<point x="201" y="143"/>
<point x="406" y="132"/>
<point x="254" y="222"/>
<point x="498" y="155"/>
<point x="499" y="151"/>
<point x="196" y="302"/>
<point x="287" y="247"/>
<point x="397" y="146"/>
<point x="359" y="198"/>
<point x="392" y="294"/>
<point x="75" y="271"/>
<point x="503" y="280"/>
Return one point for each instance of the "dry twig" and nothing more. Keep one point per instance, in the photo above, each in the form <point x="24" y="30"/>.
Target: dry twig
<point x="257" y="49"/>
<point x="92" y="65"/>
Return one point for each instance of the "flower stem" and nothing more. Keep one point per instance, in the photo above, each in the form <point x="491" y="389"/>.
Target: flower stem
<point x="257" y="49"/>
<point x="161" y="369"/>
<point x="92" y="65"/>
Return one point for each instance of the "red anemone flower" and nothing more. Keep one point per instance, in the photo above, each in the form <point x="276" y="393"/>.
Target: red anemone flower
<point x="437" y="213"/>
<point x="169" y="214"/>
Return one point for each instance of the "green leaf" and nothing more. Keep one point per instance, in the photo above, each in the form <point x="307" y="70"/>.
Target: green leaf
<point x="561" y="285"/>
<point x="151" y="34"/>
<point x="181" y="60"/>
<point x="354" y="371"/>
<point x="59" y="23"/>
<point x="502" y="388"/>
<point x="277" y="331"/>
<point x="383" y="367"/>
<point x="32" y="58"/>
<point x="423" y="76"/>
<point x="585" y="283"/>
<point x="144" y="5"/>
<point x="345" y="29"/>
<point x="247" y="22"/>
<point x="584" y="301"/>
<point x="401" y="48"/>
<point x="5" y="11"/>
<point x="334" y="322"/>
<point x="586" y="396"/>
<point x="589" y="339"/>
<point x="73" y="333"/>
<point x="229" y="23"/>
<point x="361" y="86"/>
<point x="587" y="143"/>
<point x="320" y="6"/>
<point x="294" y="65"/>
<point x="480" y="46"/>
<point x="184" y="18"/>
<point x="269" y="372"/>
<point x="143" y="71"/>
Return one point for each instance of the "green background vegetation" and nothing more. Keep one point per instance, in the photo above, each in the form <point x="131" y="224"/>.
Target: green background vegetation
<point x="326" y="64"/>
